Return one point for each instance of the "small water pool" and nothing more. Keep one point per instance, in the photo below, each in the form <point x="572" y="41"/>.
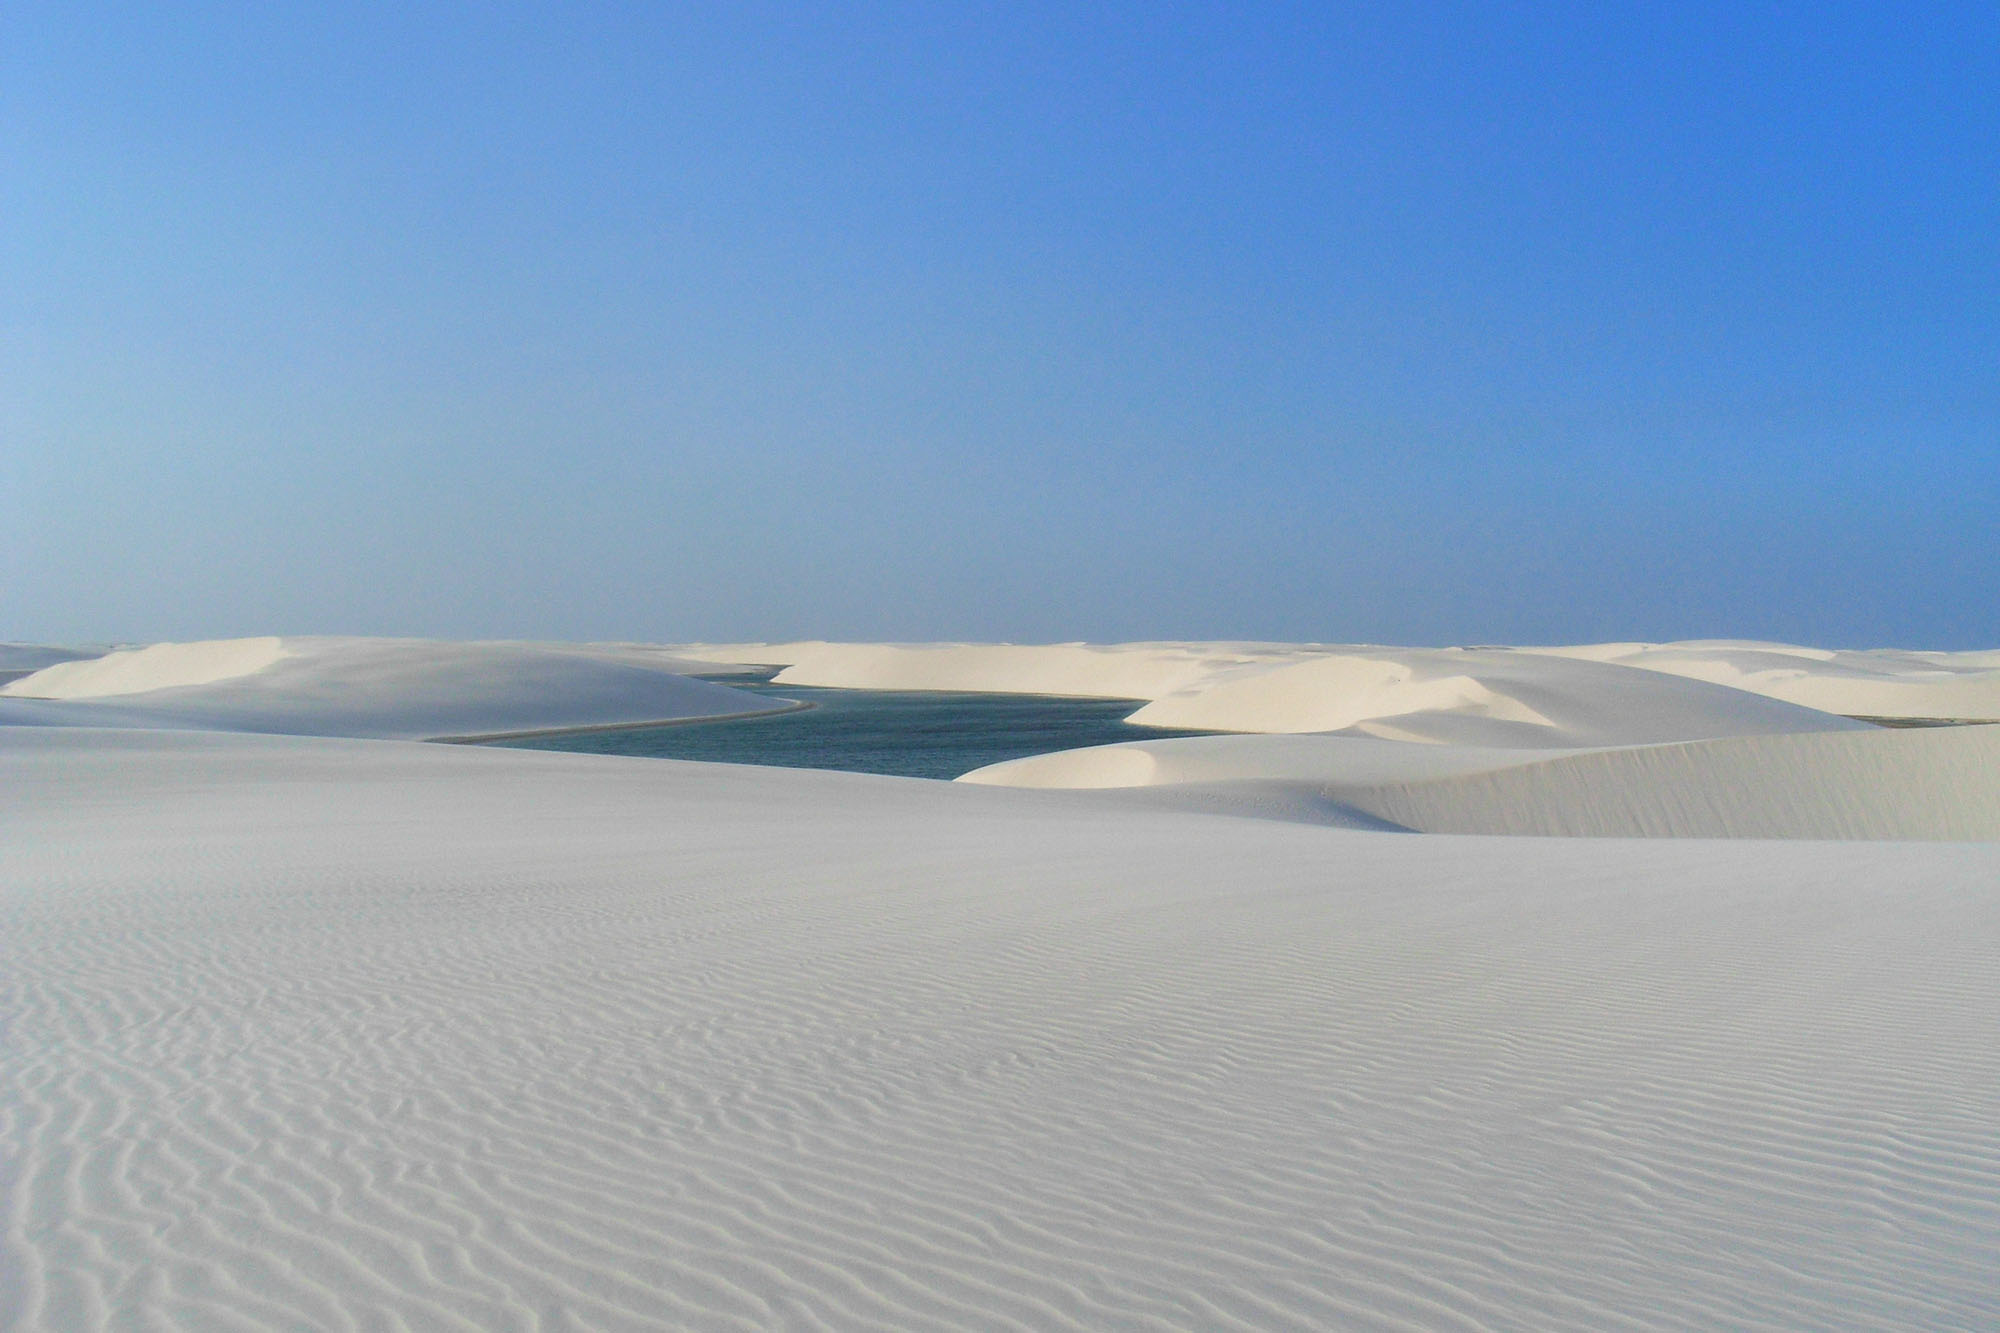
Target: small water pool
<point x="917" y="734"/>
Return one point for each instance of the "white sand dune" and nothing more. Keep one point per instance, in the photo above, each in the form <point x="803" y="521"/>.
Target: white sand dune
<point x="1941" y="783"/>
<point x="160" y="666"/>
<point x="1082" y="670"/>
<point x="1439" y="695"/>
<point x="1878" y="683"/>
<point x="1487" y="719"/>
<point x="1309" y="759"/>
<point x="346" y="1034"/>
<point x="1867" y="683"/>
<point x="1473" y="696"/>
<point x="1935" y="784"/>
<point x="394" y="688"/>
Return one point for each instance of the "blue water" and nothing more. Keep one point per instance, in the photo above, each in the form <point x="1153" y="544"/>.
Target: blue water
<point x="926" y="734"/>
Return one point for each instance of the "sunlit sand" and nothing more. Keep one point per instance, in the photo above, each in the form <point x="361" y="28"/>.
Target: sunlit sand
<point x="318" y="1027"/>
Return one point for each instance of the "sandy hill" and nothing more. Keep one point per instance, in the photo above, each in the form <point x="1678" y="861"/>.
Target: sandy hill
<point x="385" y="688"/>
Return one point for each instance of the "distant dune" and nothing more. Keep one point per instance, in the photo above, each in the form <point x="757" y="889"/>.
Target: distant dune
<point x="1102" y="671"/>
<point x="1599" y="740"/>
<point x="1317" y="687"/>
<point x="1882" y="683"/>
<point x="160" y="666"/>
<point x="1479" y="697"/>
<point x="412" y="689"/>
<point x="1491" y="740"/>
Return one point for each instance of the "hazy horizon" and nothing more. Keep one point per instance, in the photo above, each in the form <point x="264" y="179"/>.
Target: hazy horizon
<point x="885" y="323"/>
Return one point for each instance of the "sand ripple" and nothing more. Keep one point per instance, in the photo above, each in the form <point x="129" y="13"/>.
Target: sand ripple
<point x="341" y="1036"/>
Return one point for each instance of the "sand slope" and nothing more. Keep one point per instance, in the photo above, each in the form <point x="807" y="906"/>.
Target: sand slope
<point x="1475" y="696"/>
<point x="1940" y="783"/>
<point x="395" y="688"/>
<point x="159" y="666"/>
<point x="1083" y="670"/>
<point x="1879" y="683"/>
<point x="1454" y="695"/>
<point x="340" y="1034"/>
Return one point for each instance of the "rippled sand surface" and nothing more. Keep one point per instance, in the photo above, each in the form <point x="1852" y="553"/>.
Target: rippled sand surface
<point x="334" y="1034"/>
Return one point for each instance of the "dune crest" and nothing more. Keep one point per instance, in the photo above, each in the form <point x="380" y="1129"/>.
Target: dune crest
<point x="1482" y="696"/>
<point x="1925" y="784"/>
<point x="162" y="666"/>
<point x="1477" y="697"/>
<point x="1105" y="671"/>
<point x="1885" y="683"/>
<point x="401" y="689"/>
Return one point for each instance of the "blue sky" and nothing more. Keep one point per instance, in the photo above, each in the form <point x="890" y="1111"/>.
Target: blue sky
<point x="1426" y="323"/>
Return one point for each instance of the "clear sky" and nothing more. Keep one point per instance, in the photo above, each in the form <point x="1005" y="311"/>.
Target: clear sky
<point x="1415" y="323"/>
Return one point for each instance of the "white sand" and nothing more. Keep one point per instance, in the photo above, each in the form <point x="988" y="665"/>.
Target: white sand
<point x="1875" y="683"/>
<point x="394" y="688"/>
<point x="1475" y="697"/>
<point x="1881" y="683"/>
<point x="342" y="1034"/>
<point x="1941" y="783"/>
<point x="1461" y="696"/>
<point x="159" y="666"/>
<point x="1571" y="742"/>
<point x="355" y="1033"/>
<point x="1103" y="671"/>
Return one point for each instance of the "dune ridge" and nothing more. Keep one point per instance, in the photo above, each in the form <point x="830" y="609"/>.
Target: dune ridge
<point x="1604" y="694"/>
<point x="1427" y="739"/>
<point x="1886" y="683"/>
<point x="1438" y="695"/>
<point x="409" y="689"/>
<point x="159" y="666"/>
<point x="1475" y="696"/>
<point x="1083" y="670"/>
<point x="1941" y="783"/>
<point x="1932" y="784"/>
<point x="1889" y="683"/>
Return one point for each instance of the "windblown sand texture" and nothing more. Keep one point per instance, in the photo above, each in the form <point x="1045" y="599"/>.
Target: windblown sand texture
<point x="357" y="1033"/>
<point x="329" y="1034"/>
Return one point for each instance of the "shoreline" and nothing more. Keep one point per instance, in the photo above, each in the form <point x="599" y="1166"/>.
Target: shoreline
<point x="790" y="706"/>
<point x="1911" y="723"/>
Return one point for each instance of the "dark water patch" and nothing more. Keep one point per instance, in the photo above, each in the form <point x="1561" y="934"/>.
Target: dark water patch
<point x="906" y="733"/>
<point x="1927" y="721"/>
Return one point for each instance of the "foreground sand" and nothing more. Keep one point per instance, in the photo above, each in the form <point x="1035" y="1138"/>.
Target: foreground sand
<point x="350" y="1034"/>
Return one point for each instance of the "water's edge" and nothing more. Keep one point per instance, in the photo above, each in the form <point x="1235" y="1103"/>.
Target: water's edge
<point x="908" y="733"/>
<point x="593" y="728"/>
